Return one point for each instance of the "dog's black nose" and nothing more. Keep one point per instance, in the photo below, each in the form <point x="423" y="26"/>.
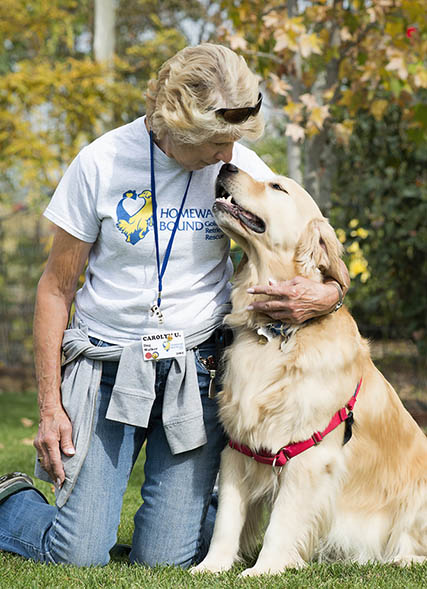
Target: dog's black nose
<point x="231" y="168"/>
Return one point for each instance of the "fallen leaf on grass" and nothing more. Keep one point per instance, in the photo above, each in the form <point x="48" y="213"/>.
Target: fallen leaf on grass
<point x="27" y="441"/>
<point x="27" y="422"/>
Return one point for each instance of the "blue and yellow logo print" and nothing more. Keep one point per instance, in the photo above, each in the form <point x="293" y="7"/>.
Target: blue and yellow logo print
<point x="135" y="226"/>
<point x="167" y="344"/>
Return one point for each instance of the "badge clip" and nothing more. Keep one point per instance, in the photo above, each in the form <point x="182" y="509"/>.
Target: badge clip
<point x="155" y="310"/>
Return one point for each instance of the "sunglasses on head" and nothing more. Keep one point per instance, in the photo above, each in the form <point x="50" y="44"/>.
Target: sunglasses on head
<point x="239" y="115"/>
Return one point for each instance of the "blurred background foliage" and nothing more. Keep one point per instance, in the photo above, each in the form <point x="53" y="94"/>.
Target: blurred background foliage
<point x="381" y="180"/>
<point x="345" y="101"/>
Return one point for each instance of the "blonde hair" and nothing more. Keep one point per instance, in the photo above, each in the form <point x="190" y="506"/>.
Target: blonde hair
<point x="181" y="101"/>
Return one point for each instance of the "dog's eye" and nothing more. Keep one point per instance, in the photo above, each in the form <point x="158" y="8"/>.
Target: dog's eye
<point x="278" y="187"/>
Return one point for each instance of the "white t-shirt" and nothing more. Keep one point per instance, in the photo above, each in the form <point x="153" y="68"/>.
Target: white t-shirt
<point x="104" y="198"/>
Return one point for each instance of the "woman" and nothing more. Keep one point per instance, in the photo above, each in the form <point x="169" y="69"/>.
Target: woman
<point x="140" y="353"/>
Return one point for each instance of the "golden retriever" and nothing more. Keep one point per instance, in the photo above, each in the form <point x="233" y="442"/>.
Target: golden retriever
<point x="363" y="500"/>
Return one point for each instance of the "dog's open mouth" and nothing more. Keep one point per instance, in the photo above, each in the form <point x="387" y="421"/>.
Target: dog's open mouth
<point x="226" y="203"/>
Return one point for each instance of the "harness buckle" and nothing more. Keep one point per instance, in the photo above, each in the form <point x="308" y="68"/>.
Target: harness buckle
<point x="317" y="438"/>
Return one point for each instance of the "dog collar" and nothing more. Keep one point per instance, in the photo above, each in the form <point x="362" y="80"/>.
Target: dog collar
<point x="287" y="452"/>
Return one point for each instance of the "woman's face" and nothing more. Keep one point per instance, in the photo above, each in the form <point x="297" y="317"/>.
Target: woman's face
<point x="195" y="157"/>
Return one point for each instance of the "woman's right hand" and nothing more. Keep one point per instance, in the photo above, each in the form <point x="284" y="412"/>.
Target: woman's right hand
<point x="54" y="436"/>
<point x="55" y="293"/>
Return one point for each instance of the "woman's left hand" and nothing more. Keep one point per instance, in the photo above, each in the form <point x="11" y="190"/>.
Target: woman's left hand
<point x="296" y="300"/>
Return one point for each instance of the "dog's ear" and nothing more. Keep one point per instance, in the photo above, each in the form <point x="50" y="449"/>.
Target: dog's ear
<point x="319" y="248"/>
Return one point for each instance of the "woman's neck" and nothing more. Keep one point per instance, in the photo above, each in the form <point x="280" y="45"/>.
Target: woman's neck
<point x="161" y="143"/>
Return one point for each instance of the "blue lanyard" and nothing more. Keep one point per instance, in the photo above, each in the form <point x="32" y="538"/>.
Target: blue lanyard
<point x="161" y="271"/>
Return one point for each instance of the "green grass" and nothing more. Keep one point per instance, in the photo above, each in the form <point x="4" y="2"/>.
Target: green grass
<point x="17" y="574"/>
<point x="16" y="453"/>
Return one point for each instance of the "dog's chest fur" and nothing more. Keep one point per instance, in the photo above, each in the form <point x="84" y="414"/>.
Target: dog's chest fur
<point x="271" y="396"/>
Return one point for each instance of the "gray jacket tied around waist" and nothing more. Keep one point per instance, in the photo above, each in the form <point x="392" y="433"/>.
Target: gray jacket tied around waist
<point x="133" y="394"/>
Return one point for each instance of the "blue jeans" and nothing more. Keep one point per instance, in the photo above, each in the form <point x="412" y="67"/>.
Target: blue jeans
<point x="174" y="522"/>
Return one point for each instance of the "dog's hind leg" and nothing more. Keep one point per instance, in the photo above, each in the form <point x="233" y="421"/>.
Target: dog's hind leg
<point x="408" y="540"/>
<point x="231" y="516"/>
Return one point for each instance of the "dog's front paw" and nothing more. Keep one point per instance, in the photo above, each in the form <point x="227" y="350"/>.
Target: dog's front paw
<point x="210" y="567"/>
<point x="263" y="569"/>
<point x="199" y="569"/>
<point x="252" y="572"/>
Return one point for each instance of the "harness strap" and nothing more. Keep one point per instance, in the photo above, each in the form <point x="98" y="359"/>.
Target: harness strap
<point x="291" y="450"/>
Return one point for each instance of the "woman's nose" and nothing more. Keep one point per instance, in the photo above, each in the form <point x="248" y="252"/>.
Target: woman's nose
<point x="225" y="154"/>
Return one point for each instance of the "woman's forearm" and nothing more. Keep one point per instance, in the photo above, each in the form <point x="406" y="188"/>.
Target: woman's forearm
<point x="50" y="320"/>
<point x="54" y="297"/>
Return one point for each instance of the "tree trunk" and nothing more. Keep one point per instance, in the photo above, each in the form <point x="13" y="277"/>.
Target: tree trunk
<point x="104" y="38"/>
<point x="104" y="41"/>
<point x="319" y="161"/>
<point x="319" y="166"/>
<point x="294" y="160"/>
<point x="294" y="148"/>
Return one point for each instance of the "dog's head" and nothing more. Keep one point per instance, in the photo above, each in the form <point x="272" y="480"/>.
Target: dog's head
<point x="276" y="217"/>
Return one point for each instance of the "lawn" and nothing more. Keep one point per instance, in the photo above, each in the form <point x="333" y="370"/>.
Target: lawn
<point x="17" y="429"/>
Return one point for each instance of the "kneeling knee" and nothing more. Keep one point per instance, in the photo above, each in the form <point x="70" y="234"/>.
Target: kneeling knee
<point x="151" y="560"/>
<point x="81" y="557"/>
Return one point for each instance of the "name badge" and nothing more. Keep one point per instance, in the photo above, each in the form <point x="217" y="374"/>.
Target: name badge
<point x="163" y="344"/>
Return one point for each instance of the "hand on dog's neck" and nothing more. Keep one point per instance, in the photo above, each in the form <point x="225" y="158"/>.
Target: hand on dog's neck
<point x="249" y="275"/>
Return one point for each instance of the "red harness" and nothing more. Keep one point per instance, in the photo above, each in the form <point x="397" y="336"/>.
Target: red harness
<point x="288" y="452"/>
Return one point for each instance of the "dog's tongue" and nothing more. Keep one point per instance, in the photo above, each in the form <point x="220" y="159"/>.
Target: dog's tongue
<point x="247" y="218"/>
<point x="252" y="221"/>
